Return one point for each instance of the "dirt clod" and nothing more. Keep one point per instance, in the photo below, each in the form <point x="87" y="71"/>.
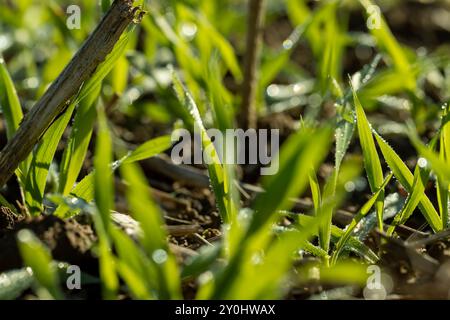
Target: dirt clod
<point x="68" y="240"/>
<point x="7" y="218"/>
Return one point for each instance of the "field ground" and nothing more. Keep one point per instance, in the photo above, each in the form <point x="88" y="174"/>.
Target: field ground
<point x="358" y="208"/>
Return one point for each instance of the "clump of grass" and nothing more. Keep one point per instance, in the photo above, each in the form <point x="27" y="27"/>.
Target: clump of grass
<point x="264" y="235"/>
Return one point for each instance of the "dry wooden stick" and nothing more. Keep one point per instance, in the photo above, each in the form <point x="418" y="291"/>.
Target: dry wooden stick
<point x="94" y="51"/>
<point x="251" y="63"/>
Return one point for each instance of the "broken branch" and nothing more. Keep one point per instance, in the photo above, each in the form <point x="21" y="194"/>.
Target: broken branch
<point x="84" y="63"/>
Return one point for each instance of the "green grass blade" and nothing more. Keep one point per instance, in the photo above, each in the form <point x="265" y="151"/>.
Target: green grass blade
<point x="12" y="111"/>
<point x="149" y="149"/>
<point x="38" y="258"/>
<point x="143" y="209"/>
<point x="444" y="154"/>
<point x="104" y="198"/>
<point x="243" y="278"/>
<point x="120" y="75"/>
<point x="9" y="101"/>
<point x="343" y="133"/>
<point x="37" y="174"/>
<point x="316" y="251"/>
<point x="406" y="179"/>
<point x="223" y="46"/>
<point x="362" y="212"/>
<point x="345" y="126"/>
<point x="298" y="155"/>
<point x="386" y="42"/>
<point x="133" y="266"/>
<point x="371" y="159"/>
<point x="298" y="11"/>
<point x="440" y="167"/>
<point x="84" y="189"/>
<point x="202" y="262"/>
<point x="315" y="190"/>
<point x="330" y="61"/>
<point x="133" y="280"/>
<point x="13" y="283"/>
<point x="334" y="188"/>
<point x="103" y="178"/>
<point x="353" y="243"/>
<point x="41" y="160"/>
<point x="412" y="201"/>
<point x="220" y="98"/>
<point x="107" y="267"/>
<point x="329" y="192"/>
<point x="445" y="133"/>
<point x="443" y="198"/>
<point x="77" y="146"/>
<point x="218" y="175"/>
<point x="153" y="239"/>
<point x="105" y="67"/>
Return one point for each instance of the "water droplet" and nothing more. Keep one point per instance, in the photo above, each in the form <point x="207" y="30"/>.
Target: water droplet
<point x="356" y="80"/>
<point x="350" y="186"/>
<point x="5" y="42"/>
<point x="421" y="52"/>
<point x="133" y="94"/>
<point x="297" y="87"/>
<point x="257" y="258"/>
<point x="287" y="44"/>
<point x="273" y="90"/>
<point x="24" y="236"/>
<point x="159" y="256"/>
<point x="31" y="83"/>
<point x="358" y="227"/>
<point x="406" y="105"/>
<point x="295" y="101"/>
<point x="422" y="162"/>
<point x="205" y="277"/>
<point x="315" y="100"/>
<point x="189" y="30"/>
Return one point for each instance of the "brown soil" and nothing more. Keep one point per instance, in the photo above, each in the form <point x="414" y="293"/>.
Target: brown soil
<point x="68" y="240"/>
